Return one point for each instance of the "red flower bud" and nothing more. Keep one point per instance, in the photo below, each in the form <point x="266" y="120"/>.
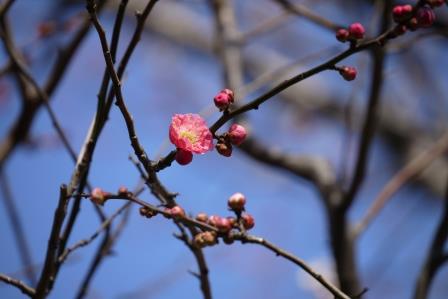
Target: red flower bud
<point x="223" y="99"/>
<point x="232" y="221"/>
<point x="237" y="134"/>
<point x="236" y="202"/>
<point x="98" y="196"/>
<point x="342" y="35"/>
<point x="223" y="224"/>
<point x="202" y="217"/>
<point x="425" y="16"/>
<point x="248" y="221"/>
<point x="348" y="73"/>
<point x="177" y="212"/>
<point x="401" y="13"/>
<point x="183" y="157"/>
<point x="397" y="13"/>
<point x="407" y="10"/>
<point x="356" y="31"/>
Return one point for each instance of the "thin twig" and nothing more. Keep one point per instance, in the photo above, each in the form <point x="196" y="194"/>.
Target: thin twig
<point x="289" y="256"/>
<point x="18" y="284"/>
<point x="303" y="11"/>
<point x="436" y="256"/>
<point x="53" y="243"/>
<point x="154" y="184"/>
<point x="85" y="242"/>
<point x="200" y="259"/>
<point x="408" y="172"/>
<point x="17" y="227"/>
<point x="19" y="130"/>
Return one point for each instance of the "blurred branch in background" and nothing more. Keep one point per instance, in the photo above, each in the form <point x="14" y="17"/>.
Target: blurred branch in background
<point x="410" y="171"/>
<point x="437" y="255"/>
<point x="17" y="227"/>
<point x="30" y="104"/>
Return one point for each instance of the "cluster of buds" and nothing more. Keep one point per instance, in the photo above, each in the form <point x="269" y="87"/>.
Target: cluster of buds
<point x="224" y="225"/>
<point x="409" y="17"/>
<point x="353" y="33"/>
<point x="175" y="212"/>
<point x="234" y="136"/>
<point x="347" y="72"/>
<point x="224" y="99"/>
<point x="99" y="196"/>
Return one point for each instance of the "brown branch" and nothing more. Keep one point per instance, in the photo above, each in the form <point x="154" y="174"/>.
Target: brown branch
<point x="313" y="169"/>
<point x="303" y="11"/>
<point x="103" y="250"/>
<point x="19" y="130"/>
<point x="342" y="241"/>
<point x="436" y="256"/>
<point x="154" y="184"/>
<point x="32" y="84"/>
<point x="49" y="268"/>
<point x="18" y="284"/>
<point x="227" y="39"/>
<point x="264" y="27"/>
<point x="407" y="173"/>
<point x="290" y="257"/>
<point x="17" y="228"/>
<point x="84" y="242"/>
<point x="375" y="43"/>
<point x="80" y="174"/>
<point x="200" y="259"/>
<point x="5" y="8"/>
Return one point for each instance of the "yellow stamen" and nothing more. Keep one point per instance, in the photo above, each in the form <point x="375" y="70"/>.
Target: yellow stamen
<point x="189" y="135"/>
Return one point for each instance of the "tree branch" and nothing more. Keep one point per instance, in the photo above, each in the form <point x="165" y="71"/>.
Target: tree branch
<point x="18" y="284"/>
<point x="289" y="256"/>
<point x="17" y="227"/>
<point x="436" y="256"/>
<point x="407" y="173"/>
<point x="49" y="268"/>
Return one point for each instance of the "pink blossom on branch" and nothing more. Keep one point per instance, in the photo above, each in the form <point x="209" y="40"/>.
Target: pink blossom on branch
<point x="190" y="133"/>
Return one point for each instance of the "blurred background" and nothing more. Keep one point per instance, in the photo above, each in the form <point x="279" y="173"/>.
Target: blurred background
<point x="176" y="69"/>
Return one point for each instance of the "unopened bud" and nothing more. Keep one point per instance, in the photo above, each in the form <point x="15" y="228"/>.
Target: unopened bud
<point x="237" y="134"/>
<point x="348" y="73"/>
<point x="356" y="31"/>
<point x="183" y="157"/>
<point x="98" y="196"/>
<point x="236" y="202"/>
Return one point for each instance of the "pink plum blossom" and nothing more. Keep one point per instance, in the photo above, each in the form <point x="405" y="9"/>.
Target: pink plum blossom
<point x="189" y="132"/>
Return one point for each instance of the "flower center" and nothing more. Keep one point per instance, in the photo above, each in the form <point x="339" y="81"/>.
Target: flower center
<point x="192" y="137"/>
